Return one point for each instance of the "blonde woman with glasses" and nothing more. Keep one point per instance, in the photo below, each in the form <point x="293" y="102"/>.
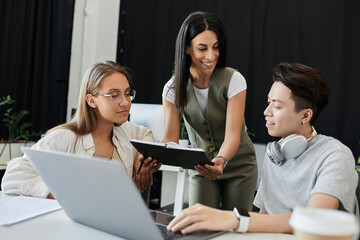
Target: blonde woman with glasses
<point x="99" y="128"/>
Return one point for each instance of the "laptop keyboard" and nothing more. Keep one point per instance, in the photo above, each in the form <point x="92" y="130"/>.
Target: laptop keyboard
<point x="169" y="235"/>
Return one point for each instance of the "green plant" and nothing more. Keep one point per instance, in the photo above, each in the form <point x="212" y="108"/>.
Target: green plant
<point x="17" y="129"/>
<point x="183" y="131"/>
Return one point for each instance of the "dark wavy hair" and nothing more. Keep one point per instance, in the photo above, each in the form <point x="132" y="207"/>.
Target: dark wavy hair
<point x="308" y="86"/>
<point x="192" y="26"/>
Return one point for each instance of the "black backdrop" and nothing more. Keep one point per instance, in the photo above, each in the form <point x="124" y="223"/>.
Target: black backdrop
<point x="261" y="33"/>
<point x="35" y="43"/>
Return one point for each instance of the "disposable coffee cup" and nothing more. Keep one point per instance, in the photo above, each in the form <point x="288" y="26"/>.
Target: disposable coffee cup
<point x="323" y="224"/>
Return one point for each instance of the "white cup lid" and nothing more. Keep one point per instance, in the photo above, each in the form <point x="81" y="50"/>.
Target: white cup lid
<point x="321" y="221"/>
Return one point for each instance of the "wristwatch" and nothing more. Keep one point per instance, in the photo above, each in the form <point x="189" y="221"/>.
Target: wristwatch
<point x="225" y="160"/>
<point x="244" y="218"/>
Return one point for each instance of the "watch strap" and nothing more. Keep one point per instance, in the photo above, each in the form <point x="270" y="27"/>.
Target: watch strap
<point x="244" y="218"/>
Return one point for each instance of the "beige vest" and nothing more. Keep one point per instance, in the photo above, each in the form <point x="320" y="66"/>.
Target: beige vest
<point x="208" y="132"/>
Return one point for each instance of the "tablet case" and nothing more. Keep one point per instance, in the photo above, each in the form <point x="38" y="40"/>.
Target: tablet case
<point x="169" y="154"/>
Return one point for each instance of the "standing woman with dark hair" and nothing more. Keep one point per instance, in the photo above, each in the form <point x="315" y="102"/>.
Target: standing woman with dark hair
<point x="211" y="99"/>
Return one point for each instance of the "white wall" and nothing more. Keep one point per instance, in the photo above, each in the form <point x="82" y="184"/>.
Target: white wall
<point x="94" y="39"/>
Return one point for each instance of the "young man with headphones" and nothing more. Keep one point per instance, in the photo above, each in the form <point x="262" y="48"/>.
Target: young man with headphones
<point x="303" y="168"/>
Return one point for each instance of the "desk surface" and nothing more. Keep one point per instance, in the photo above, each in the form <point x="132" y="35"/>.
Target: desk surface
<point x="57" y="225"/>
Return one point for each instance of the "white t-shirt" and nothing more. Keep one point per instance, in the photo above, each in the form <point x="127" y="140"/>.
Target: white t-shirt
<point x="237" y="85"/>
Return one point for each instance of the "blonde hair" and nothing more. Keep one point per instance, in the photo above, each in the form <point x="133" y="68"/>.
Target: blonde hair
<point x="85" y="120"/>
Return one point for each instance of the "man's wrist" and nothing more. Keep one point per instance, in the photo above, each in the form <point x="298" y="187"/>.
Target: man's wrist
<point x="244" y="220"/>
<point x="235" y="223"/>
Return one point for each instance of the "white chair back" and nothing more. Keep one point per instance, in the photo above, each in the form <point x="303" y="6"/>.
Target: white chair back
<point x="150" y="116"/>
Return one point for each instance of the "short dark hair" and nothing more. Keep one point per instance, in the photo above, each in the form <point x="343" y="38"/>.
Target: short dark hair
<point x="308" y="86"/>
<point x="193" y="25"/>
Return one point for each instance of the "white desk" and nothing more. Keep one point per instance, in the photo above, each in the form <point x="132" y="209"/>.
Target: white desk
<point x="54" y="225"/>
<point x="57" y="225"/>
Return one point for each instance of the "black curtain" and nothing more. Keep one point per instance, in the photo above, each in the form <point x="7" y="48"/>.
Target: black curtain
<point x="35" y="44"/>
<point x="261" y="33"/>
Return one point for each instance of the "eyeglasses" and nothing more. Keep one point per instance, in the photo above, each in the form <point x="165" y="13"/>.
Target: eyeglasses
<point x="116" y="97"/>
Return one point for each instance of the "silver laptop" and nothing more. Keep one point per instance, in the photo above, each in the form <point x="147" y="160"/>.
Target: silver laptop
<point x="99" y="193"/>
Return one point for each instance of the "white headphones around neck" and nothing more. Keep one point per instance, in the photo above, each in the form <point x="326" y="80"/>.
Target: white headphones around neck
<point x="288" y="148"/>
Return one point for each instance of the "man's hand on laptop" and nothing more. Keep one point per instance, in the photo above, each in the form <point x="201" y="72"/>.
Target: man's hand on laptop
<point x="200" y="217"/>
<point x="144" y="177"/>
